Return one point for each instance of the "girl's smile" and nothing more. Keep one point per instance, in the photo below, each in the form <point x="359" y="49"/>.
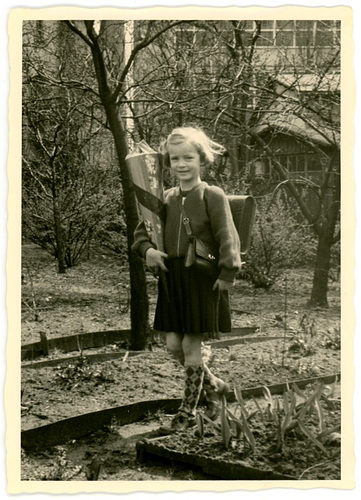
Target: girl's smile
<point x="185" y="162"/>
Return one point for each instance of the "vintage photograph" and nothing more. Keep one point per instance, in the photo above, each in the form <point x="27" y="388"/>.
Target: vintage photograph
<point x="181" y="183"/>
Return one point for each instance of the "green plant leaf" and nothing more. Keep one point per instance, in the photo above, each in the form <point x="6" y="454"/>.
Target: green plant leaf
<point x="240" y="400"/>
<point x="289" y="408"/>
<point x="321" y="418"/>
<point x="200" y="424"/>
<point x="321" y="437"/>
<point x="298" y="391"/>
<point x="259" y="408"/>
<point x="312" y="398"/>
<point x="225" y="430"/>
<point x="268" y="398"/>
<point x="304" y="429"/>
<point x="248" y="434"/>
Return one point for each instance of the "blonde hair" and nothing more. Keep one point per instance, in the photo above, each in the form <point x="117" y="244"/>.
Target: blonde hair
<point x="195" y="136"/>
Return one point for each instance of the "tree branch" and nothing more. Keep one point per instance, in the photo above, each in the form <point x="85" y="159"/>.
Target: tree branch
<point x="283" y="173"/>
<point x="140" y="46"/>
<point x="79" y="33"/>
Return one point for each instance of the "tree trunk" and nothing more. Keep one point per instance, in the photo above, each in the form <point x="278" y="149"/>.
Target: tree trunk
<point x="59" y="237"/>
<point x="321" y="270"/>
<point x="139" y="302"/>
<point x="324" y="226"/>
<point x="326" y="238"/>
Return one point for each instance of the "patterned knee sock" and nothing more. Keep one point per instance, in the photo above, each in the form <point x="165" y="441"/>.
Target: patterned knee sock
<point x="193" y="386"/>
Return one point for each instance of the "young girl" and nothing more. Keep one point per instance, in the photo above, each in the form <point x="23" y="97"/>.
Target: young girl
<point x="193" y="302"/>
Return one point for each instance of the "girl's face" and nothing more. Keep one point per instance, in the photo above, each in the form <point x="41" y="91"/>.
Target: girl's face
<point x="185" y="163"/>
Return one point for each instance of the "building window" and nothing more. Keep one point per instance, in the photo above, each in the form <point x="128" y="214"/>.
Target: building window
<point x="298" y="33"/>
<point x="285" y="33"/>
<point x="298" y="165"/>
<point x="328" y="33"/>
<point x="267" y="36"/>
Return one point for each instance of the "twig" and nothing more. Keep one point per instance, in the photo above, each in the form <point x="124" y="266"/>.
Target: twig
<point x="285" y="320"/>
<point x="34" y="308"/>
<point x="79" y="342"/>
<point x="240" y="311"/>
<point x="317" y="465"/>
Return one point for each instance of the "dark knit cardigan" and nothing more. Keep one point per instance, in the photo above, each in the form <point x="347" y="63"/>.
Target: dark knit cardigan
<point x="211" y="221"/>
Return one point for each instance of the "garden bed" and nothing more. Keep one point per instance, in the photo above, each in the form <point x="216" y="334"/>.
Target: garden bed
<point x="296" y="436"/>
<point x="208" y="450"/>
<point x="92" y="298"/>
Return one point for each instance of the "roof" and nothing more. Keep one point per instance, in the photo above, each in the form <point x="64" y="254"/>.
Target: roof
<point x="286" y="115"/>
<point x="311" y="82"/>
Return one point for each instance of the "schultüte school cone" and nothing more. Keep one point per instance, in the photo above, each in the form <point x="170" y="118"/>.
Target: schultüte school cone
<point x="145" y="168"/>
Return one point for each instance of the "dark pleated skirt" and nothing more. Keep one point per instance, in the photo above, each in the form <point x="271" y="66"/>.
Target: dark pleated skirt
<point x="189" y="305"/>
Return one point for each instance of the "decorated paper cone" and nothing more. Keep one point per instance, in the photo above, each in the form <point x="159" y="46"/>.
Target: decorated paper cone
<point x="145" y="168"/>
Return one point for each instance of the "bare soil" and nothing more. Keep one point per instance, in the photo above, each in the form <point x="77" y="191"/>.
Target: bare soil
<point x="94" y="297"/>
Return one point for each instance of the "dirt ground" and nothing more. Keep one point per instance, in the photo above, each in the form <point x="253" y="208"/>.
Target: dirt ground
<point x="94" y="297"/>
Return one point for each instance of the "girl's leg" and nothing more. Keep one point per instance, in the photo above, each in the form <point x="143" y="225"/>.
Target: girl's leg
<point x="187" y="350"/>
<point x="174" y="346"/>
<point x="192" y="349"/>
<point x="194" y="373"/>
<point x="193" y="367"/>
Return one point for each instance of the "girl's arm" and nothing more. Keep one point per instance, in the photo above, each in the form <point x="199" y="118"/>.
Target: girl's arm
<point x="225" y="233"/>
<point x="141" y="240"/>
<point x="154" y="258"/>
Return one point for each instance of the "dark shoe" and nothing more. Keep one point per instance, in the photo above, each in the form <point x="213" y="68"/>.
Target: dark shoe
<point x="212" y="410"/>
<point x="179" y="423"/>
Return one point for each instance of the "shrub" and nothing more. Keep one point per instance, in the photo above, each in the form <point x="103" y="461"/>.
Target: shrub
<point x="279" y="242"/>
<point x="111" y="237"/>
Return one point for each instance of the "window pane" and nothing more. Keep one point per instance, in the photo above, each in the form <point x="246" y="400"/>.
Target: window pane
<point x="285" y="24"/>
<point x="325" y="25"/>
<point x="283" y="161"/>
<point x="248" y="25"/>
<point x="203" y="38"/>
<point x="324" y="39"/>
<point x="265" y="39"/>
<point x="300" y="164"/>
<point x="284" y="38"/>
<point x="304" y="38"/>
<point x="247" y="38"/>
<point x="314" y="164"/>
<point x="267" y="24"/>
<point x="304" y="25"/>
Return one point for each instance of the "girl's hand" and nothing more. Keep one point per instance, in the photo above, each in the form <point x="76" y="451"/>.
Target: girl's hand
<point x="222" y="285"/>
<point x="155" y="260"/>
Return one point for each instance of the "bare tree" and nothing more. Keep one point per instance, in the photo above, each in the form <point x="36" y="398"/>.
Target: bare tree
<point x="62" y="200"/>
<point x="112" y="86"/>
<point x="259" y="87"/>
